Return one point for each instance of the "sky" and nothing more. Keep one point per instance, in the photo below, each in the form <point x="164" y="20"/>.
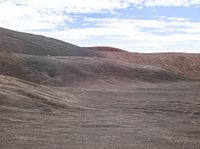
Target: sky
<point x="134" y="25"/>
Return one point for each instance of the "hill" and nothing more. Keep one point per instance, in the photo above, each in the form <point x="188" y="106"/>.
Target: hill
<point x="107" y="49"/>
<point x="24" y="43"/>
<point x="185" y="64"/>
<point x="57" y="95"/>
<point x="66" y="71"/>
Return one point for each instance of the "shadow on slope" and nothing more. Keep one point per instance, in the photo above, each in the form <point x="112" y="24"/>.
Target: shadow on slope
<point x="70" y="71"/>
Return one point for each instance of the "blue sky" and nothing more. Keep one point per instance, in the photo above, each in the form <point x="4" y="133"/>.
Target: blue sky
<point x="133" y="25"/>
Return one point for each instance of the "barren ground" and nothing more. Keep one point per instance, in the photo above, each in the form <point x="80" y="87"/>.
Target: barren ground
<point x="55" y="95"/>
<point x="142" y="115"/>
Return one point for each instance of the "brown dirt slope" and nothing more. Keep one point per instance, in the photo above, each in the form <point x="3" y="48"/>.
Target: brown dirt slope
<point x="184" y="64"/>
<point x="23" y="95"/>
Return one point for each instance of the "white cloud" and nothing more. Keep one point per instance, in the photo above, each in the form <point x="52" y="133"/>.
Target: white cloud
<point x="164" y="3"/>
<point x="44" y="14"/>
<point x="165" y="33"/>
<point x="130" y="34"/>
<point x="174" y="18"/>
<point x="83" y="6"/>
<point x="22" y="18"/>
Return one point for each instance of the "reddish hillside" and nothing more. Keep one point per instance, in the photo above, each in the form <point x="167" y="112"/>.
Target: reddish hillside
<point x="107" y="49"/>
<point x="180" y="63"/>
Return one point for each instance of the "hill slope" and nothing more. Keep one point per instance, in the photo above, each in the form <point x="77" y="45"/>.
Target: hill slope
<point x="17" y="42"/>
<point x="66" y="71"/>
<point x="23" y="95"/>
<point x="185" y="64"/>
<point x="83" y="99"/>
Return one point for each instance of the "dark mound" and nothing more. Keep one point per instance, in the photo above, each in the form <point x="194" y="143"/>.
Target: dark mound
<point x="68" y="71"/>
<point x="17" y="42"/>
<point x="107" y="49"/>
